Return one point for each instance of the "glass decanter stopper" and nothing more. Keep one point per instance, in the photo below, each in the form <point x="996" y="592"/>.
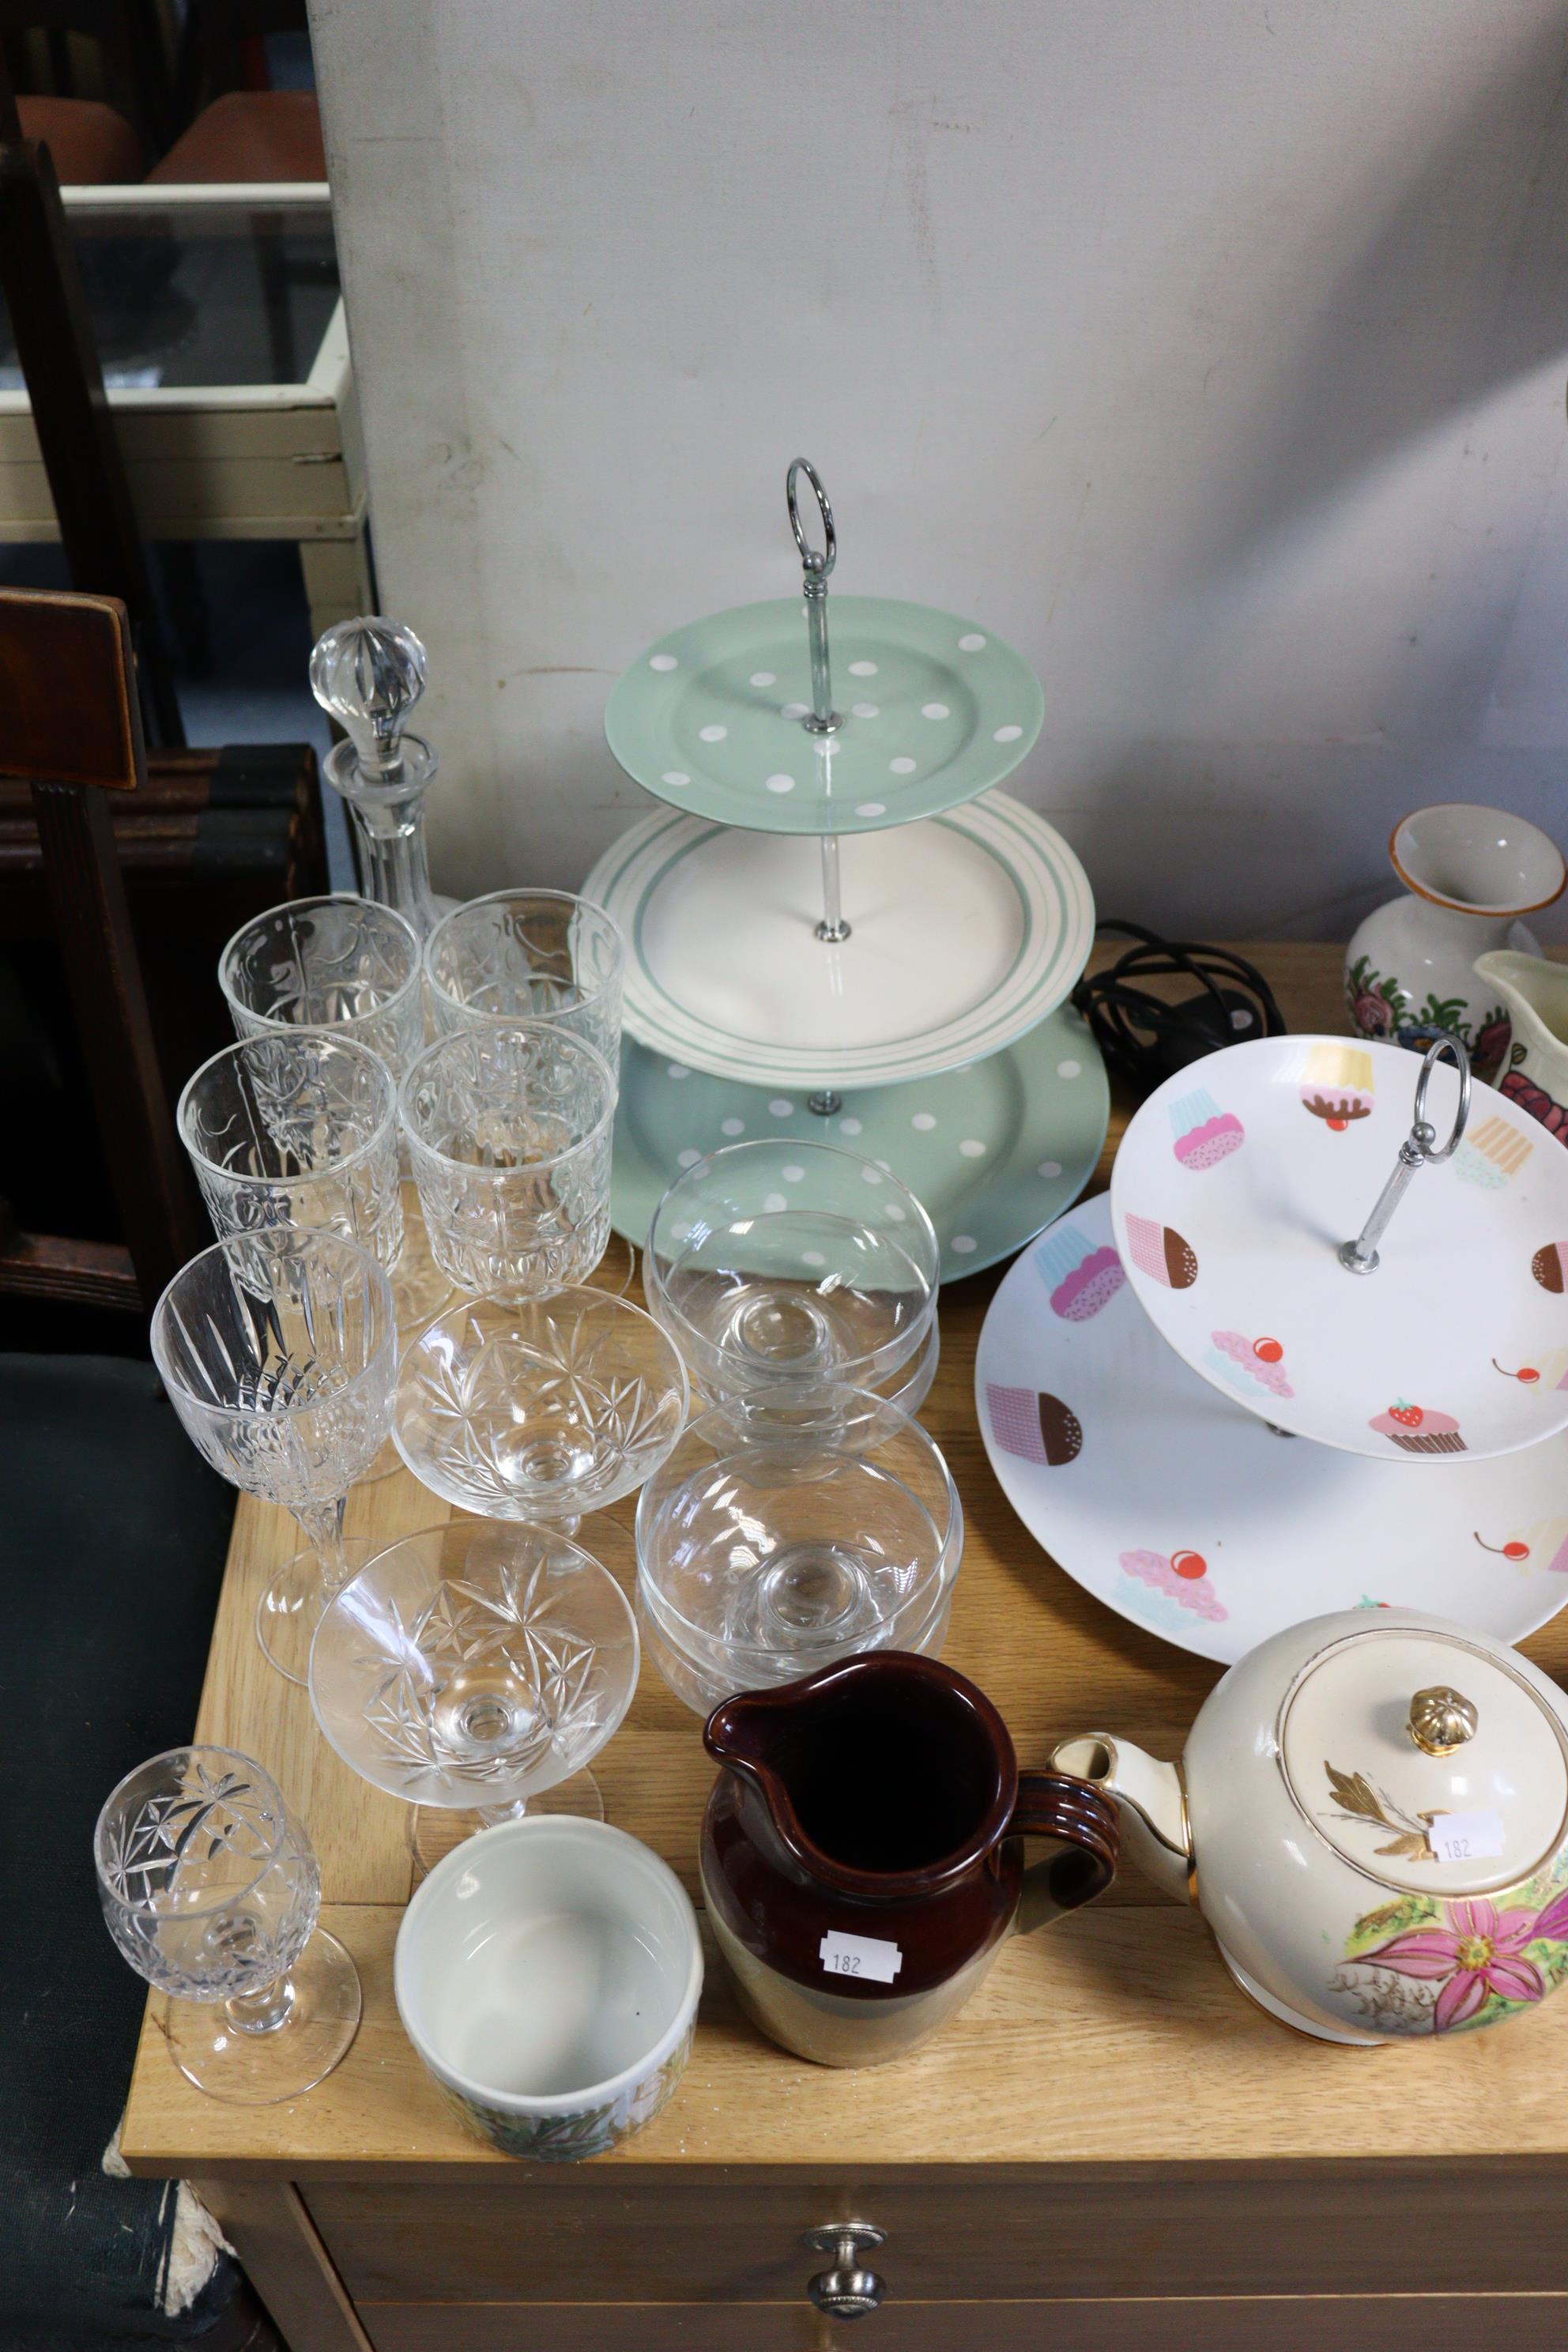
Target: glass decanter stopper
<point x="368" y="674"/>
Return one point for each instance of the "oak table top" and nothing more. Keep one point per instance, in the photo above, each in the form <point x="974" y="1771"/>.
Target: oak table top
<point x="1114" y="2038"/>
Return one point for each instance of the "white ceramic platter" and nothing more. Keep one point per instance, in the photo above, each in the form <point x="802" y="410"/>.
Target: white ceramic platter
<point x="1235" y="1184"/>
<point x="993" y="1152"/>
<point x="1181" y="1511"/>
<point x="967" y="930"/>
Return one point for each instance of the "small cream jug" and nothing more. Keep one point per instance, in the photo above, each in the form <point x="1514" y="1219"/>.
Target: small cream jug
<point x="1372" y="1814"/>
<point x="1535" y="994"/>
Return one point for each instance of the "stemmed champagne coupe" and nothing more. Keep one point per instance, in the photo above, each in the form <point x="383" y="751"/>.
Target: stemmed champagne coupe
<point x="473" y="1670"/>
<point x="279" y="1349"/>
<point x="211" y="1890"/>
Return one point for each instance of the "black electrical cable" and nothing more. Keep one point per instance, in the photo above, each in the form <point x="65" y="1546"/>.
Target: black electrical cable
<point x="1145" y="1038"/>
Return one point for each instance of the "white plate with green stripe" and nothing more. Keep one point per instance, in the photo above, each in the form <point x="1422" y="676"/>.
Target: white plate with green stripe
<point x="994" y="1151"/>
<point x="966" y="929"/>
<point x="934" y="711"/>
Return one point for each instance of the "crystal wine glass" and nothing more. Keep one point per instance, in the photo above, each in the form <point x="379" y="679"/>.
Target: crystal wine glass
<point x="782" y="1268"/>
<point x="280" y="1351"/>
<point x="508" y="1136"/>
<point x="339" y="962"/>
<point x="529" y="955"/>
<point x="539" y="1408"/>
<point x="211" y="1891"/>
<point x="476" y="1669"/>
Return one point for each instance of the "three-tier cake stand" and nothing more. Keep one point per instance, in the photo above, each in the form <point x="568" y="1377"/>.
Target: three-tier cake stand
<point x="837" y="926"/>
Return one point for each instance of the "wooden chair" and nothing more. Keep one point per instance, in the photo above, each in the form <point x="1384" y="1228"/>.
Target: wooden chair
<point x="71" y="725"/>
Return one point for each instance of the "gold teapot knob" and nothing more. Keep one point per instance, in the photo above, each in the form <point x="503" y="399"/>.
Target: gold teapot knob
<point x="1441" y="1720"/>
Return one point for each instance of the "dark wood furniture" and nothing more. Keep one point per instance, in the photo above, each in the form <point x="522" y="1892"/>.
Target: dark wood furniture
<point x="73" y="732"/>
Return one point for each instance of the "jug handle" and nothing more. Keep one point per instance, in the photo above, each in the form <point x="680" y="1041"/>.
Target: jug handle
<point x="1083" y="1825"/>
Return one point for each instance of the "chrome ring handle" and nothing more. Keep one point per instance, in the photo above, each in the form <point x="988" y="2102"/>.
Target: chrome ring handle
<point x="817" y="564"/>
<point x="847" y="2291"/>
<point x="1453" y="1047"/>
<point x="1419" y="1150"/>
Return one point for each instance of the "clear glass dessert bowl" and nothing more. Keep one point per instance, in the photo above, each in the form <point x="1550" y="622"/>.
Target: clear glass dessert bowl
<point x="781" y="1266"/>
<point x="762" y="1557"/>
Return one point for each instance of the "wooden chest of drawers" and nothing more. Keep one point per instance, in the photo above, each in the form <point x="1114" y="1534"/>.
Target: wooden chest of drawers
<point x="1110" y="2149"/>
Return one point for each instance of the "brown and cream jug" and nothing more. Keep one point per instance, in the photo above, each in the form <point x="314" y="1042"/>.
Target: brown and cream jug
<point x="863" y="1852"/>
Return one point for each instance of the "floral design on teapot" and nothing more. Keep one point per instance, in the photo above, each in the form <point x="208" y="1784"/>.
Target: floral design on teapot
<point x="1420" y="1963"/>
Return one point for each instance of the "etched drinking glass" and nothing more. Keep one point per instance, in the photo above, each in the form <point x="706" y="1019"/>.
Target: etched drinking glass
<point x="211" y="1891"/>
<point x="279" y="1349"/>
<point x="787" y="1272"/>
<point x="538" y="955"/>
<point x="338" y="962"/>
<point x="300" y="1129"/>
<point x="476" y="1670"/>
<point x="509" y="1137"/>
<point x="539" y="1408"/>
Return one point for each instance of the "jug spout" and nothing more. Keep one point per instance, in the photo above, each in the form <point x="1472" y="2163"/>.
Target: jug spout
<point x="1152" y="1798"/>
<point x="1535" y="993"/>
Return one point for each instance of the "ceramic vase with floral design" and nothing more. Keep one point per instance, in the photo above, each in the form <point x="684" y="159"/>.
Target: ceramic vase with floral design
<point x="1371" y="1813"/>
<point x="1469" y="873"/>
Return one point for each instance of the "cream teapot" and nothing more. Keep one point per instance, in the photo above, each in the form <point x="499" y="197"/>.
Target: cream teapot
<point x="1372" y="1814"/>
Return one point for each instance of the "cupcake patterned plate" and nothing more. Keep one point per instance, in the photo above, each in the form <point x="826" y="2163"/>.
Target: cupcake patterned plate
<point x="994" y="1151"/>
<point x="965" y="930"/>
<point x="1164" y="1499"/>
<point x="934" y="711"/>
<point x="1236" y="1183"/>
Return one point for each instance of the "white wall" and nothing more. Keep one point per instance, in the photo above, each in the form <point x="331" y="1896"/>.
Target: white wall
<point x="1213" y="351"/>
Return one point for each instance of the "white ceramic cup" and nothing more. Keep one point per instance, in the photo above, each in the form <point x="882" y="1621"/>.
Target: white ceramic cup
<point x="548" y="1972"/>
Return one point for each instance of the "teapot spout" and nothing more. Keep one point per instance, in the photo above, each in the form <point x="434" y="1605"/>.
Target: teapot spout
<point x="1152" y="1798"/>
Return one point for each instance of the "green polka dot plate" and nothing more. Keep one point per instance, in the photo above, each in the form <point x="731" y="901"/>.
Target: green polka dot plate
<point x="934" y="711"/>
<point x="994" y="1151"/>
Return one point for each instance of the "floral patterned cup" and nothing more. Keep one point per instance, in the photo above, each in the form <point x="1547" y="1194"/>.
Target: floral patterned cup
<point x="547" y="1973"/>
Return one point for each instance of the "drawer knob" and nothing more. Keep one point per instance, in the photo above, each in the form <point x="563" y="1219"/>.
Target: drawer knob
<point x="847" y="2291"/>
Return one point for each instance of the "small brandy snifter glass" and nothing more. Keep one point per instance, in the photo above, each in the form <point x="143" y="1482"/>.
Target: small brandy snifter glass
<point x="476" y="1669"/>
<point x="336" y="962"/>
<point x="279" y="1349"/>
<point x="783" y="1269"/>
<point x="509" y="1138"/>
<point x="529" y="955"/>
<point x="539" y="1408"/>
<point x="211" y="1891"/>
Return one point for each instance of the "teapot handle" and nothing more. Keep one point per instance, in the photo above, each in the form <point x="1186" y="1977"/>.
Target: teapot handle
<point x="1083" y="1826"/>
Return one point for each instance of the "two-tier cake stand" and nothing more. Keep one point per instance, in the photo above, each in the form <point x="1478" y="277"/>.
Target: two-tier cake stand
<point x="837" y="927"/>
<point x="1307" y="1356"/>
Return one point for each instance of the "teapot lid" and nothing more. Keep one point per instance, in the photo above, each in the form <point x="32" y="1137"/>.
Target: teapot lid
<point x="1425" y="1760"/>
